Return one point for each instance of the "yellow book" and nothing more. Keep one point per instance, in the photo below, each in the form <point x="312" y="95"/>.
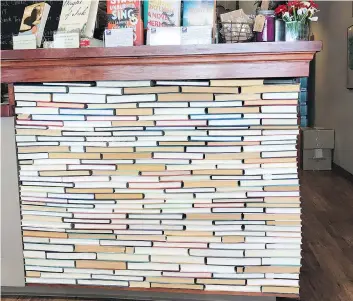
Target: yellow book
<point x="94" y="236"/>
<point x="233" y="239"/>
<point x="44" y="234"/>
<point x="32" y="274"/>
<point x="280" y="289"/>
<point x="141" y="167"/>
<point x="42" y="149"/>
<point x="109" y="149"/>
<point x="221" y="281"/>
<point x="283" y="223"/>
<point x="270" y="160"/>
<point x="281" y="188"/>
<point x="28" y="132"/>
<point x="272" y="269"/>
<point x="270" y="88"/>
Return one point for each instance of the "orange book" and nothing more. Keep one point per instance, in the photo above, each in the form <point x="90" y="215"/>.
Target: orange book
<point x="126" y="14"/>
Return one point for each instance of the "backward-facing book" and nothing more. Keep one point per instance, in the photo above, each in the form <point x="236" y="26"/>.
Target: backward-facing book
<point x="79" y="15"/>
<point x="33" y="21"/>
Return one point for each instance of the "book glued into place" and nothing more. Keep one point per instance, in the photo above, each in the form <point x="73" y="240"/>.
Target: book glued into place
<point x="126" y="14"/>
<point x="34" y="19"/>
<point x="199" y="13"/>
<point x="79" y="15"/>
<point x="162" y="13"/>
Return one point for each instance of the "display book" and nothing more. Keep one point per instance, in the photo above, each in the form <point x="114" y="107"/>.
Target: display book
<point x="33" y="21"/>
<point x="163" y="19"/>
<point x="126" y="14"/>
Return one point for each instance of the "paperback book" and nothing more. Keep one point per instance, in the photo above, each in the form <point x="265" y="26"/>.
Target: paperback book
<point x="126" y="14"/>
<point x="199" y="13"/>
<point x="33" y="21"/>
<point x="162" y="13"/>
<point x="79" y="15"/>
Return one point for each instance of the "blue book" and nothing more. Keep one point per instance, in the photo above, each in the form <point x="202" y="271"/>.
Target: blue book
<point x="304" y="110"/>
<point x="303" y="97"/>
<point x="199" y="13"/>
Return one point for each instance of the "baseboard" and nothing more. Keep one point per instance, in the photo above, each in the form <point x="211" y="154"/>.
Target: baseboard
<point x="101" y="293"/>
<point x="344" y="173"/>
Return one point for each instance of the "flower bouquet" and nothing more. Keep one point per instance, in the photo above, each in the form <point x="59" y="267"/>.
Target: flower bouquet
<point x="296" y="15"/>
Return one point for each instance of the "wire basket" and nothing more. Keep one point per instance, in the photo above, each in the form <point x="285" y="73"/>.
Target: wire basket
<point x="235" y="32"/>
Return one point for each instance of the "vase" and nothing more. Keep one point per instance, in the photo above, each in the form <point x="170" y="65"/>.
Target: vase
<point x="297" y="31"/>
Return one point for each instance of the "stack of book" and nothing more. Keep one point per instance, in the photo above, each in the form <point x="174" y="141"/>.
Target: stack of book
<point x="160" y="184"/>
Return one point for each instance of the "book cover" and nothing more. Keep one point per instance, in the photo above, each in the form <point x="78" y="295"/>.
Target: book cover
<point x="79" y="15"/>
<point x="163" y="13"/>
<point x="33" y="21"/>
<point x="126" y="14"/>
<point x="199" y="13"/>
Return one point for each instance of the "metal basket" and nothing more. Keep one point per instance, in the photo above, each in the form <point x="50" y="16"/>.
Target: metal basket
<point x="235" y="32"/>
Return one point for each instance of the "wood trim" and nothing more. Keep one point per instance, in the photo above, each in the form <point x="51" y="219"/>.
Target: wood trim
<point x="11" y="93"/>
<point x="6" y="110"/>
<point x="243" y="60"/>
<point x="160" y="72"/>
<point x="162" y="290"/>
<point x="145" y="51"/>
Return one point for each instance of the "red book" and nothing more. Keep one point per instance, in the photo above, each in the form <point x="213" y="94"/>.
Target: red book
<point x="125" y="14"/>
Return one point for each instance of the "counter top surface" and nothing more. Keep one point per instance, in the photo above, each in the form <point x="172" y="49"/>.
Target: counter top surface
<point x="146" y="51"/>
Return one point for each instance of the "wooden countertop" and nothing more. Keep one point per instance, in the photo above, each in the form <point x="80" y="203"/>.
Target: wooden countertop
<point x="147" y="51"/>
<point x="242" y="60"/>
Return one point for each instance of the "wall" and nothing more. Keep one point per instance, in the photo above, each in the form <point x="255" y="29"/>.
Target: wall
<point x="12" y="272"/>
<point x="333" y="101"/>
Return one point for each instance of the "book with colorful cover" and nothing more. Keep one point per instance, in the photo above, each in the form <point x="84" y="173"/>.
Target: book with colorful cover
<point x="33" y="21"/>
<point x="199" y="13"/>
<point x="162" y="13"/>
<point x="126" y="14"/>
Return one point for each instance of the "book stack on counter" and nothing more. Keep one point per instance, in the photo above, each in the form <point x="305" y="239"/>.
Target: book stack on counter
<point x="160" y="184"/>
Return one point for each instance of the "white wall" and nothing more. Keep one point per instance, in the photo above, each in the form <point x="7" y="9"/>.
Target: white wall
<point x="333" y="101"/>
